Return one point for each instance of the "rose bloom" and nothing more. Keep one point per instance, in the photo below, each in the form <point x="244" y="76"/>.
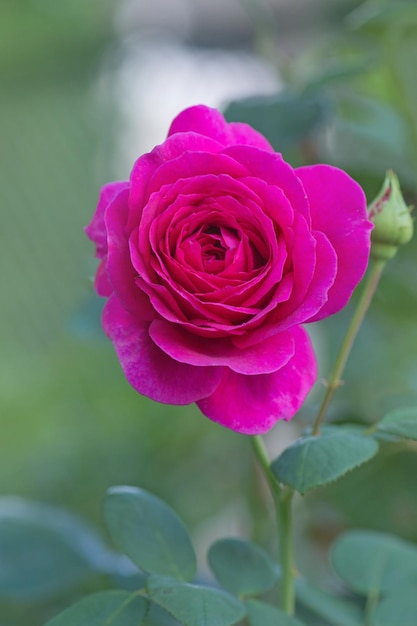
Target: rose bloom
<point x="212" y="256"/>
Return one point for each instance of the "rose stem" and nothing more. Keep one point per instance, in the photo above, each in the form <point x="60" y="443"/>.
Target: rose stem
<point x="334" y="381"/>
<point x="282" y="498"/>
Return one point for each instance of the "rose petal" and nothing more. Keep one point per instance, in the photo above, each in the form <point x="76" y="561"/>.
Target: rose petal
<point x="286" y="315"/>
<point x="243" y="134"/>
<point x="318" y="288"/>
<point x="120" y="271"/>
<point x="252" y="404"/>
<point x="271" y="168"/>
<point x="101" y="281"/>
<point x="211" y="123"/>
<point x="96" y="229"/>
<point x="172" y="148"/>
<point x="338" y="209"/>
<point x="184" y="347"/>
<point x="147" y="368"/>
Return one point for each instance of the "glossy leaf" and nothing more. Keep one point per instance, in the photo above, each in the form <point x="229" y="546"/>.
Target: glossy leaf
<point x="44" y="550"/>
<point x="402" y="423"/>
<point x="312" y="461"/>
<point x="262" y="614"/>
<point x="194" y="605"/>
<point x="241" y="567"/>
<point x="106" y="608"/>
<point x="336" y="610"/>
<point x="149" y="532"/>
<point x="371" y="562"/>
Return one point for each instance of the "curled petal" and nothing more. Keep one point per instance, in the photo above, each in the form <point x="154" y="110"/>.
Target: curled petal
<point x="101" y="281"/>
<point x="211" y="123"/>
<point x="96" y="229"/>
<point x="252" y="404"/>
<point x="338" y="209"/>
<point x="272" y="168"/>
<point x="184" y="347"/>
<point x="147" y="368"/>
<point x="146" y="166"/>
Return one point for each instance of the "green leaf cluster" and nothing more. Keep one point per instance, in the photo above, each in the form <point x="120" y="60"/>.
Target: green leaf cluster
<point x="148" y="531"/>
<point x="159" y="574"/>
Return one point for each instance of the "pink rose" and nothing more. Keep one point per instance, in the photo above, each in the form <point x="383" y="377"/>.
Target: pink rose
<point x="212" y="256"/>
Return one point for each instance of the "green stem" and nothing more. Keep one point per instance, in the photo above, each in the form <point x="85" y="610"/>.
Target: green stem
<point x="334" y="381"/>
<point x="371" y="603"/>
<point x="286" y="547"/>
<point x="282" y="498"/>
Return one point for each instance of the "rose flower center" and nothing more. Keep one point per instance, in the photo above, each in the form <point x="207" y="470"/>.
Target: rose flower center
<point x="212" y="249"/>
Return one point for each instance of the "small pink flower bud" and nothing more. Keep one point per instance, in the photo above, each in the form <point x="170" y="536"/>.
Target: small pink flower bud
<point x="393" y="224"/>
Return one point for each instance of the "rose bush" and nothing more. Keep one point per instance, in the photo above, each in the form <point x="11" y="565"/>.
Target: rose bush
<point x="212" y="256"/>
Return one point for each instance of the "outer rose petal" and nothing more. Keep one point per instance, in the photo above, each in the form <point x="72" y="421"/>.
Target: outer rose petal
<point x="338" y="209"/>
<point x="149" y="370"/>
<point x="101" y="281"/>
<point x="252" y="404"/>
<point x="172" y="148"/>
<point x="211" y="123"/>
<point x="263" y="358"/>
<point x="120" y="271"/>
<point x="96" y="229"/>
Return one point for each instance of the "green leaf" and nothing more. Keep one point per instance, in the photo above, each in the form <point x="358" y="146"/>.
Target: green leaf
<point x="315" y="461"/>
<point x="45" y="551"/>
<point x="397" y="609"/>
<point x="372" y="562"/>
<point x="336" y="610"/>
<point x="402" y="423"/>
<point x="106" y="608"/>
<point x="262" y="614"/>
<point x="157" y="616"/>
<point x="242" y="567"/>
<point x="193" y="605"/>
<point x="285" y="118"/>
<point x="149" y="532"/>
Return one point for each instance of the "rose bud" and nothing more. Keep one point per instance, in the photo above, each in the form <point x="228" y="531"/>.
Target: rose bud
<point x="392" y="219"/>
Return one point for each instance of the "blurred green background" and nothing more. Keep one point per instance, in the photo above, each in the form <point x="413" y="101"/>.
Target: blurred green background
<point x="341" y="88"/>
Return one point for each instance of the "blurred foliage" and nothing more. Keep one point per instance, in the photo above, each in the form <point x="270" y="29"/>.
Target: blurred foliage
<point x="44" y="38"/>
<point x="364" y="76"/>
<point x="71" y="425"/>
